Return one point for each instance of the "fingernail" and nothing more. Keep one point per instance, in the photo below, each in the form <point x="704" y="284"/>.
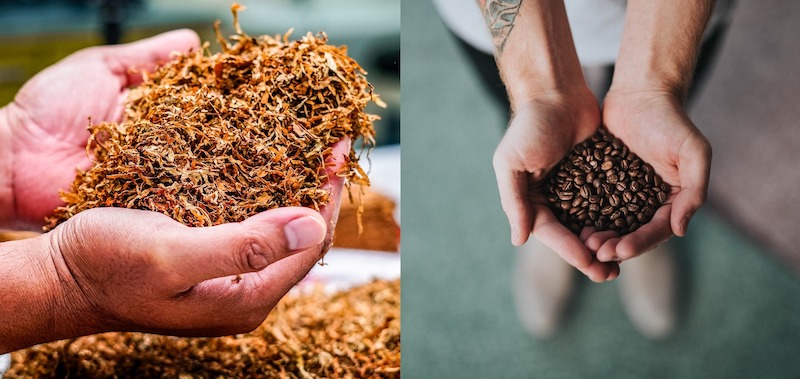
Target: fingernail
<point x="304" y="232"/>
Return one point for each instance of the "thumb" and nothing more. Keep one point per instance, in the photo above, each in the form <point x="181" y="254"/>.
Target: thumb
<point x="128" y="60"/>
<point x="248" y="246"/>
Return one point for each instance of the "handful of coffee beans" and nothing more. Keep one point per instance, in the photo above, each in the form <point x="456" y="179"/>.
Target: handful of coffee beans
<point x="602" y="184"/>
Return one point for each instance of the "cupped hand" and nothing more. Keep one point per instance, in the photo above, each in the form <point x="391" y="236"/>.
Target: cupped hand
<point x="133" y="270"/>
<point x="541" y="132"/>
<point x="49" y="117"/>
<point x="655" y="126"/>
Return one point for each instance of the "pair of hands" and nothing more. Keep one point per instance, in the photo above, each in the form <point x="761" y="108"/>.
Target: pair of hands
<point x="652" y="123"/>
<point x="121" y="269"/>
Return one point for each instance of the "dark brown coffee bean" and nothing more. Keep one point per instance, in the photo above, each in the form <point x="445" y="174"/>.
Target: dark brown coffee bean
<point x="614" y="200"/>
<point x="662" y="197"/>
<point x="576" y="202"/>
<point x="620" y="223"/>
<point x="633" y="207"/>
<point x="641" y="195"/>
<point x="607" y="210"/>
<point x="565" y="205"/>
<point x="606" y="166"/>
<point x="641" y="218"/>
<point x="585" y="193"/>
<point x="648" y="168"/>
<point x="573" y="210"/>
<point x="649" y="211"/>
<point x="596" y="182"/>
<point x="565" y="195"/>
<point x="567" y="186"/>
<point x="590" y="177"/>
<point x="616" y="143"/>
<point x="630" y="219"/>
<point x="620" y="186"/>
<point x="634" y="186"/>
<point x="615" y="215"/>
<point x="613" y="178"/>
<point x="598" y="154"/>
<point x="594" y="207"/>
<point x="593" y="215"/>
<point x="580" y="180"/>
<point x="657" y="181"/>
<point x="665" y="187"/>
<point x="594" y="199"/>
<point x="627" y="196"/>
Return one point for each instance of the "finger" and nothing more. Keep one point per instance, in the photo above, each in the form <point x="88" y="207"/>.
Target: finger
<point x="129" y="60"/>
<point x="694" y="166"/>
<point x="614" y="270"/>
<point x="646" y="237"/>
<point x="198" y="254"/>
<point x="587" y="232"/>
<point x="598" y="239"/>
<point x="607" y="252"/>
<point x="558" y="238"/>
<point x="513" y="186"/>
<point x="335" y="184"/>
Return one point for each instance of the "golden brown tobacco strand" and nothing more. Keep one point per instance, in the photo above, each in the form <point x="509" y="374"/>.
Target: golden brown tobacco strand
<point x="355" y="333"/>
<point x="209" y="139"/>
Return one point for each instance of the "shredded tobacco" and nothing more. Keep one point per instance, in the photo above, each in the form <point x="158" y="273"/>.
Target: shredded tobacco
<point x="355" y="334"/>
<point x="209" y="139"/>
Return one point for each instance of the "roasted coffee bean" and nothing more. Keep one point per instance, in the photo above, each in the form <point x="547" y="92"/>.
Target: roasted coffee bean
<point x="606" y="166"/>
<point x="580" y="180"/>
<point x="576" y="202"/>
<point x="614" y="200"/>
<point x="662" y="197"/>
<point x="585" y="192"/>
<point x="620" y="224"/>
<point x="564" y="195"/>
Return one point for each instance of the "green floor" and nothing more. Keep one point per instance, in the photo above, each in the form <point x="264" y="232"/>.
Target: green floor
<point x="739" y="312"/>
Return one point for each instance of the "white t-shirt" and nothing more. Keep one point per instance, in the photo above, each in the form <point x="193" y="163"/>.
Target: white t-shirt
<point x="596" y="26"/>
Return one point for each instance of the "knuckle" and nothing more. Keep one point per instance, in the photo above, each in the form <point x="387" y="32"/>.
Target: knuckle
<point x="254" y="252"/>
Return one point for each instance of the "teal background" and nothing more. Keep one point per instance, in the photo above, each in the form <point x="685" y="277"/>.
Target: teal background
<point x="739" y="308"/>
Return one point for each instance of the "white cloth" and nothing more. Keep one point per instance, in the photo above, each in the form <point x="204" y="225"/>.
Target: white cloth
<point x="596" y="25"/>
<point x="5" y="363"/>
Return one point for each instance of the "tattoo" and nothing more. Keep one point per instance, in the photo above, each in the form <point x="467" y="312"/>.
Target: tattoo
<point x="500" y="16"/>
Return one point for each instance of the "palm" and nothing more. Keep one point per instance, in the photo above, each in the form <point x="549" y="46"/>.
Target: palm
<point x="50" y="115"/>
<point x="50" y="135"/>
<point x="655" y="126"/>
<point x="541" y="133"/>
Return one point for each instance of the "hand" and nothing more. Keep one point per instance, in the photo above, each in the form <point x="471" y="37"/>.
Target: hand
<point x="542" y="131"/>
<point x="133" y="270"/>
<point x="49" y="117"/>
<point x="655" y="126"/>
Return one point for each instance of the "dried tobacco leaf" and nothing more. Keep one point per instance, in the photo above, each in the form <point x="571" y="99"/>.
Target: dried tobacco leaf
<point x="351" y="334"/>
<point x="209" y="139"/>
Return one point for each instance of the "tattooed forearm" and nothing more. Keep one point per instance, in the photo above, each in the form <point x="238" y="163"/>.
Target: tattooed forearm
<point x="500" y="16"/>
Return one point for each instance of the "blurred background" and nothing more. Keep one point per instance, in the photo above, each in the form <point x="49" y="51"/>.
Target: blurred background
<point x="739" y="294"/>
<point x="37" y="33"/>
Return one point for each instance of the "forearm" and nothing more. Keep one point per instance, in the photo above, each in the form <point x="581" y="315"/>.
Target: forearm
<point x="533" y="47"/>
<point x="660" y="44"/>
<point x="6" y="176"/>
<point x="37" y="304"/>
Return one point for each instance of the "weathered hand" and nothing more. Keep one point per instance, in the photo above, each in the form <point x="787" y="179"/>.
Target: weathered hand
<point x="133" y="270"/>
<point x="541" y="133"/>
<point x="47" y="121"/>
<point x="655" y="126"/>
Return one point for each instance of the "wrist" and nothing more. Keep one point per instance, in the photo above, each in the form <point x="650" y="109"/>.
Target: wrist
<point x="7" y="208"/>
<point x="40" y="300"/>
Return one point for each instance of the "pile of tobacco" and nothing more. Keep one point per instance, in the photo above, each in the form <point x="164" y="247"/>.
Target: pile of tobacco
<point x="355" y="333"/>
<point x="209" y="139"/>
